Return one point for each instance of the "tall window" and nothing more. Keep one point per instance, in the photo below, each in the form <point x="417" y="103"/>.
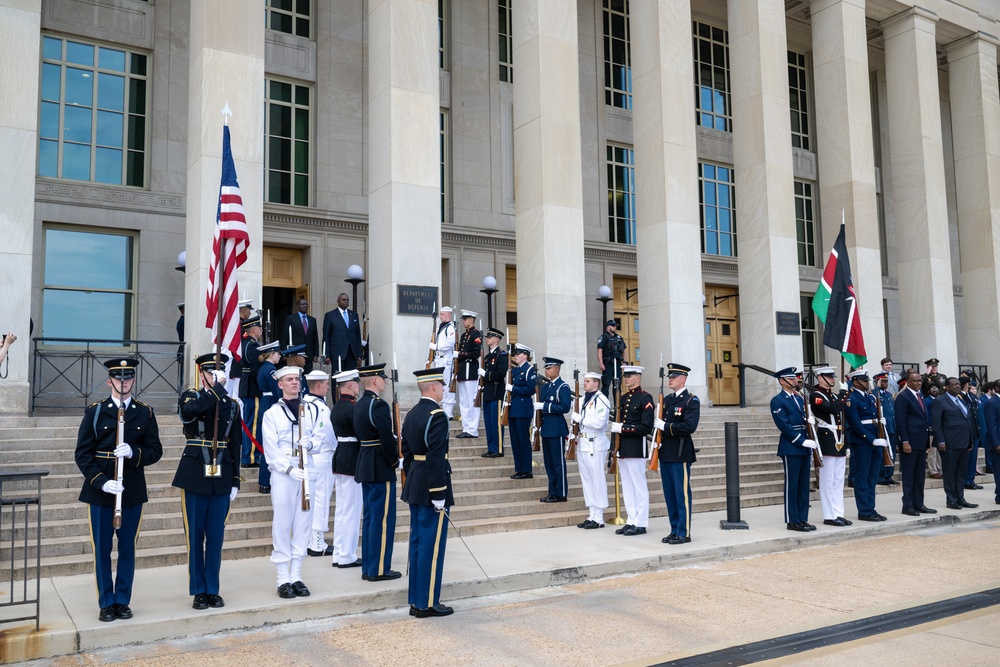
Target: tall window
<point x="290" y="16"/>
<point x="718" y="210"/>
<point x="286" y="150"/>
<point x="617" y="57"/>
<point x="92" y="116"/>
<point x="805" y="227"/>
<point x="621" y="194"/>
<point x="711" y="73"/>
<point x="443" y="153"/>
<point x="442" y="34"/>
<point x="810" y="334"/>
<point x="798" y="100"/>
<point x="506" y="42"/>
<point x="88" y="284"/>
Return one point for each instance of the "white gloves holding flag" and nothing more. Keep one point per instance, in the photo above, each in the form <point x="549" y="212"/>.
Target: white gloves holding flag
<point x="616" y="427"/>
<point x="124" y="450"/>
<point x="113" y="487"/>
<point x="880" y="442"/>
<point x="659" y="424"/>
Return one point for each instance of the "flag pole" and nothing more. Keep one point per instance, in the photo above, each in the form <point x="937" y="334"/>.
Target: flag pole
<point x="213" y="466"/>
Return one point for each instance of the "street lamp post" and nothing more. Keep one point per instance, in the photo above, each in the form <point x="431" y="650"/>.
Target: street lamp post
<point x="604" y="295"/>
<point x="489" y="289"/>
<point x="354" y="273"/>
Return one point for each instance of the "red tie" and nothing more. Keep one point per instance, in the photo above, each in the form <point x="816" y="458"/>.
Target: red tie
<point x="305" y="325"/>
<point x="920" y="401"/>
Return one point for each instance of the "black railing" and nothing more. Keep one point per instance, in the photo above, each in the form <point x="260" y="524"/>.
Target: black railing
<point x="19" y="493"/>
<point x="743" y="379"/>
<point x="68" y="374"/>
<point x="981" y="372"/>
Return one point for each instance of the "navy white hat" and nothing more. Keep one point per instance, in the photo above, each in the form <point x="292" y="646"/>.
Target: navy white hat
<point x="294" y="350"/>
<point x="377" y="370"/>
<point x="315" y="376"/>
<point x="789" y="372"/>
<point x="551" y="361"/>
<point x="674" y="370"/>
<point x="346" y="376"/>
<point x="270" y="347"/>
<point x="445" y="309"/>
<point x="180" y="305"/>
<point x="246" y="303"/>
<point x="592" y="376"/>
<point x="469" y="313"/>
<point x="122" y="369"/>
<point x="287" y="370"/>
<point x="825" y="370"/>
<point x="430" y="375"/>
<point x="632" y="370"/>
<point x="252" y="321"/>
<point x="206" y="362"/>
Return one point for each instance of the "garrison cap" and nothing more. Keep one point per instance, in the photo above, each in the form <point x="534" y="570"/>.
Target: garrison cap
<point x="430" y="375"/>
<point x="206" y="362"/>
<point x="376" y="370"/>
<point x="674" y="370"/>
<point x="786" y="373"/>
<point x="122" y="369"/>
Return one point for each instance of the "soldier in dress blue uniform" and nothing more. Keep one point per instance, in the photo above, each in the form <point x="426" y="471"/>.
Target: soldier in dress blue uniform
<point x="827" y="420"/>
<point x="494" y="374"/>
<point x="789" y="414"/>
<point x="861" y="418"/>
<point x="347" y="512"/>
<point x="884" y="392"/>
<point x="638" y="414"/>
<point x="555" y="402"/>
<point x="96" y="454"/>
<point x="679" y="419"/>
<point x="428" y="492"/>
<point x="522" y="390"/>
<point x="469" y="349"/>
<point x="250" y="392"/>
<point x="206" y="491"/>
<point x="377" y="463"/>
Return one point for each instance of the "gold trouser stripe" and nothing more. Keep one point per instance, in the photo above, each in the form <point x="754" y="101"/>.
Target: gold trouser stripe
<point x="499" y="428"/>
<point x="437" y="546"/>
<point x="187" y="531"/>
<point x="687" y="506"/>
<point x="385" y="518"/>
<point x="254" y="454"/>
<point x="138" y="529"/>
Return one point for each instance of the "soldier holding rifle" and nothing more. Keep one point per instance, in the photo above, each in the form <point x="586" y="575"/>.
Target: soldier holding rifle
<point x="592" y="449"/>
<point x="861" y="417"/>
<point x="444" y="355"/>
<point x="554" y="403"/>
<point x="522" y="391"/>
<point x="209" y="415"/>
<point x="469" y="348"/>
<point x="679" y="419"/>
<point x="637" y="414"/>
<point x="99" y="449"/>
<point x="789" y="415"/>
<point x="494" y="373"/>
<point x="828" y="424"/>
<point x="347" y="513"/>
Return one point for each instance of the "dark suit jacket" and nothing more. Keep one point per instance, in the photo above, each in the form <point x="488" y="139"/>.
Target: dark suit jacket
<point x="992" y="412"/>
<point x="299" y="337"/>
<point x="951" y="427"/>
<point x="911" y="422"/>
<point x="340" y="340"/>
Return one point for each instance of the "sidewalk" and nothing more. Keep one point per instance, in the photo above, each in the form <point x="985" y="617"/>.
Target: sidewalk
<point x="514" y="561"/>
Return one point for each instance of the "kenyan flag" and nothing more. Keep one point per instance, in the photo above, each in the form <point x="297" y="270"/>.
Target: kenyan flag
<point x="836" y="306"/>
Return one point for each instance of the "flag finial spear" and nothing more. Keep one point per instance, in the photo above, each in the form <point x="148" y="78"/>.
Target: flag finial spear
<point x="226" y="113"/>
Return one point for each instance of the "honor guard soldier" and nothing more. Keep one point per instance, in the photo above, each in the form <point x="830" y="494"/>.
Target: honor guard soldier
<point x="469" y="347"/>
<point x="556" y="401"/>
<point x="250" y="392"/>
<point x="444" y="355"/>
<point x="377" y="463"/>
<point x="236" y="367"/>
<point x="592" y="449"/>
<point x="794" y="447"/>
<point x="637" y="413"/>
<point x="321" y="472"/>
<point x="522" y="392"/>
<point x="861" y="417"/>
<point x="681" y="412"/>
<point x="610" y="354"/>
<point x="428" y="492"/>
<point x="494" y="374"/>
<point x="826" y="411"/>
<point x="347" y="513"/>
<point x="882" y="390"/>
<point x="269" y="358"/>
<point x="208" y="487"/>
<point x="292" y="429"/>
<point x="99" y="452"/>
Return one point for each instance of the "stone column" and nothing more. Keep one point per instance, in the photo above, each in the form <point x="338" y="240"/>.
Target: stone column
<point x="404" y="230"/>
<point x="765" y="213"/>
<point x="226" y="66"/>
<point x="20" y="35"/>
<point x="845" y="151"/>
<point x="926" y="297"/>
<point x="667" y="216"/>
<point x="548" y="179"/>
<point x="975" y="123"/>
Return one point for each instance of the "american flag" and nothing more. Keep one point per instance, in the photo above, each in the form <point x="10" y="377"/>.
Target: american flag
<point x="230" y="244"/>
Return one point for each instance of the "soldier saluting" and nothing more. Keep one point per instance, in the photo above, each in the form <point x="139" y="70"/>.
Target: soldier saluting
<point x="97" y="448"/>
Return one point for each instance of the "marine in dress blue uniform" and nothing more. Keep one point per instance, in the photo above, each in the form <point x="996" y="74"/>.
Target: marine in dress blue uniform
<point x="96" y="451"/>
<point x="376" y="472"/>
<point x="494" y="374"/>
<point x="861" y="417"/>
<point x="428" y="493"/>
<point x="250" y="392"/>
<point x="678" y="421"/>
<point x="789" y="415"/>
<point x="207" y="492"/>
<point x="555" y="402"/>
<point x="522" y="379"/>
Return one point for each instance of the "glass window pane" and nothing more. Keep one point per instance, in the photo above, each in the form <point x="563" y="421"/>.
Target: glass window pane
<point x="109" y="129"/>
<point x="81" y="54"/>
<point x="138" y="65"/>
<point x="302" y="7"/>
<point x="724" y="195"/>
<point x="301" y="157"/>
<point x="52" y="48"/>
<point x="136" y="170"/>
<point x="301" y="190"/>
<point x="84" y="259"/>
<point x="48" y="128"/>
<point x="281" y="22"/>
<point x="302" y="95"/>
<point x="137" y="96"/>
<point x="708" y="171"/>
<point x="48" y="156"/>
<point x="50" y="81"/>
<point x="712" y="243"/>
<point x="725" y="245"/>
<point x="111" y="92"/>
<point x="111" y="59"/>
<point x="137" y="133"/>
<point x="281" y="121"/>
<point x="279" y="154"/>
<point x="79" y="87"/>
<point x="79" y="314"/>
<point x="108" y="166"/>
<point x="302" y="124"/>
<point x="709" y="190"/>
<point x="710" y="218"/>
<point x="301" y="27"/>
<point x="724" y="220"/>
<point x="282" y="4"/>
<point x="77" y="122"/>
<point x="279" y="187"/>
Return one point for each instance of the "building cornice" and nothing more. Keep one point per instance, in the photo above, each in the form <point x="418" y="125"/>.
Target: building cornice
<point x="94" y="195"/>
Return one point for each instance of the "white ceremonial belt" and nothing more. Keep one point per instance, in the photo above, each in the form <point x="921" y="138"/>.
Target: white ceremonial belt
<point x="828" y="427"/>
<point x="267" y="393"/>
<point x="347" y="439"/>
<point x="869" y="421"/>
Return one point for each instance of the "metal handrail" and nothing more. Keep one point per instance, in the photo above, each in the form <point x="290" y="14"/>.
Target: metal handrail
<point x="743" y="380"/>
<point x="26" y="501"/>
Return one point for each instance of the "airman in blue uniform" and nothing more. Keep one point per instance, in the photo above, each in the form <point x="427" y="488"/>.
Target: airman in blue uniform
<point x="861" y="417"/>
<point x="522" y="378"/>
<point x="555" y="402"/>
<point x="789" y="415"/>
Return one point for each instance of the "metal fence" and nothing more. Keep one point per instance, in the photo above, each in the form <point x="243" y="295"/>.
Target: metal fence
<point x="68" y="374"/>
<point x="20" y="493"/>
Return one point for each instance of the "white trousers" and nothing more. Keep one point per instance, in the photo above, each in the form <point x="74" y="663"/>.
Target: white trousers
<point x="635" y="493"/>
<point x="448" y="403"/>
<point x="289" y="527"/>
<point x="346" y="519"/>
<point x="593" y="477"/>
<point x="321" y="488"/>
<point x="466" y="399"/>
<point x="831" y="486"/>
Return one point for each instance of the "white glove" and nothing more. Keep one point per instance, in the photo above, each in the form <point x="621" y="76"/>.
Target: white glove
<point x="880" y="442"/>
<point x="811" y="420"/>
<point x="538" y="406"/>
<point x="616" y="427"/>
<point x="882" y="421"/>
<point x="569" y="439"/>
<point x="508" y="387"/>
<point x="659" y="424"/>
<point x="124" y="449"/>
<point x="576" y="417"/>
<point x="438" y="505"/>
<point x="482" y="372"/>
<point x="298" y="474"/>
<point x="232" y="493"/>
<point x="220" y="377"/>
<point x="400" y="466"/>
<point x="432" y="346"/>
<point x="305" y="445"/>
<point x="113" y="486"/>
<point x="809" y="444"/>
<point x="455" y="354"/>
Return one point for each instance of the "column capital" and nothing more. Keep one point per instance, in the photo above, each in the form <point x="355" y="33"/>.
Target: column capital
<point x="971" y="44"/>
<point x="912" y="18"/>
<point x="817" y="6"/>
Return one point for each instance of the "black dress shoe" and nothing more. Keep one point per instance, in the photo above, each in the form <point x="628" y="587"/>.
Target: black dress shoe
<point x="954" y="506"/>
<point x="522" y="475"/>
<point x="216" y="601"/>
<point x="547" y="499"/>
<point x="496" y="455"/>
<point x="107" y="614"/>
<point x="621" y="531"/>
<point x="909" y="511"/>
<point x="847" y="522"/>
<point x="123" y="611"/>
<point x="356" y="563"/>
<point x="797" y="527"/>
<point x="809" y="526"/>
<point x="964" y="503"/>
<point x="881" y="517"/>
<point x="558" y="499"/>
<point x="487" y="455"/>
<point x="437" y="610"/>
<point x="973" y="487"/>
<point x="924" y="509"/>
<point x="200" y="601"/>
<point x="868" y="517"/>
<point x="666" y="540"/>
<point x="413" y="610"/>
<point x="285" y="591"/>
<point x="387" y="576"/>
<point x="832" y="522"/>
<point x="676" y="539"/>
<point x="300" y="589"/>
<point x="583" y="524"/>
<point x="264" y="489"/>
<point x="850" y="485"/>
<point x="634" y="530"/>
<point x="319" y="553"/>
<point x="593" y="525"/>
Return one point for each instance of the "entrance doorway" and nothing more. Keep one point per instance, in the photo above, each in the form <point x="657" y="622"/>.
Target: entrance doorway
<point x="722" y="337"/>
<point x="626" y="294"/>
<point x="282" y="289"/>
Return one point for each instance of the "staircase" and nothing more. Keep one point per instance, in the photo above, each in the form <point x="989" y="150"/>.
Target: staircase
<point x="487" y="501"/>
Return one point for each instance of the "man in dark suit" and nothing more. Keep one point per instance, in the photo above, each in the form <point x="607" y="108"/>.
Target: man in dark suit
<point x="953" y="422"/>
<point x="342" y="337"/>
<point x="914" y="441"/>
<point x="300" y="329"/>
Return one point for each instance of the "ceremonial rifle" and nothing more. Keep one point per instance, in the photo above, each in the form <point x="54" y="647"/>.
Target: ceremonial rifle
<point x="434" y="336"/>
<point x="616" y="391"/>
<point x="302" y="459"/>
<point x="119" y="460"/>
<point x="397" y="423"/>
<point x="536" y="438"/>
<point x="505" y="406"/>
<point x="453" y="386"/>
<point x="571" y="450"/>
<point x="654" y="456"/>
<point x="811" y="429"/>
<point x="478" y="403"/>
<point x="886" y="454"/>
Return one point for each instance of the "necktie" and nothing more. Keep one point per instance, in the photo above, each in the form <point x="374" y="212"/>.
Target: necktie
<point x="961" y="405"/>
<point x="920" y="402"/>
<point x="347" y="320"/>
<point x="305" y="324"/>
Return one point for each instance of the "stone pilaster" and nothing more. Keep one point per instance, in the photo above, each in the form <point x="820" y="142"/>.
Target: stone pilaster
<point x="845" y="152"/>
<point x="975" y="128"/>
<point x="547" y="179"/>
<point x="926" y="298"/>
<point x="765" y="215"/>
<point x="20" y="34"/>
<point x="667" y="216"/>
